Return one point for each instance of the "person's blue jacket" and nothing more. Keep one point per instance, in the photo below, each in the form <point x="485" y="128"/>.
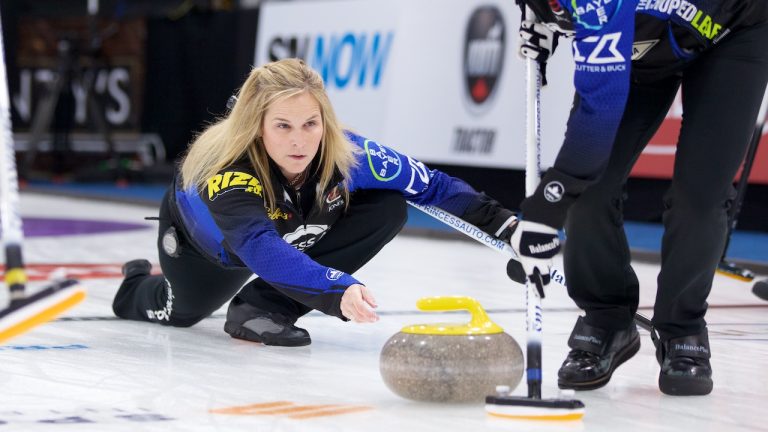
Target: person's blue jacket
<point x="228" y="222"/>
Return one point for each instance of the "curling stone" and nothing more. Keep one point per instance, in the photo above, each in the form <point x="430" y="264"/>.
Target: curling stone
<point x="451" y="362"/>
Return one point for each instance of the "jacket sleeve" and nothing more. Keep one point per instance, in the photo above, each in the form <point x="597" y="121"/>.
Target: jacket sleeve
<point x="602" y="53"/>
<point x="381" y="167"/>
<point x="234" y="199"/>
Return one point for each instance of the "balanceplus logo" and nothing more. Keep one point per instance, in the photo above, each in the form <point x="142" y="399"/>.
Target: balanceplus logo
<point x="693" y="348"/>
<point x="544" y="248"/>
<point x="484" y="44"/>
<point x="589" y="339"/>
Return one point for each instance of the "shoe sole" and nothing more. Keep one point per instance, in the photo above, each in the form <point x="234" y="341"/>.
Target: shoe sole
<point x="622" y="356"/>
<point x="684" y="386"/>
<point x="239" y="332"/>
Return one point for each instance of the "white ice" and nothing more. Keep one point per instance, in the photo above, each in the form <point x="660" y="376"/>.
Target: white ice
<point x="112" y="375"/>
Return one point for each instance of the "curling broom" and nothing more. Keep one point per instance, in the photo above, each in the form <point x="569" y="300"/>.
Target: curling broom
<point x="533" y="407"/>
<point x="23" y="312"/>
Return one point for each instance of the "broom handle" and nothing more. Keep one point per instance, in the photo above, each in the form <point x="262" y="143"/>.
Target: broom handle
<point x="533" y="318"/>
<point x="15" y="277"/>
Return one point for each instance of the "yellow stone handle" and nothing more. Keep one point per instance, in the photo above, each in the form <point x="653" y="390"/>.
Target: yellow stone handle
<point x="479" y="324"/>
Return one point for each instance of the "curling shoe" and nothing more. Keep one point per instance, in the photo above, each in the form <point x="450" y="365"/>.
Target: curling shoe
<point x="685" y="368"/>
<point x="123" y="305"/>
<point x="250" y="323"/>
<point x="595" y="354"/>
<point x="138" y="267"/>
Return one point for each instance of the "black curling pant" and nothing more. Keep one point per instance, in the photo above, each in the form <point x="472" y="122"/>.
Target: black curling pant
<point x="192" y="287"/>
<point x="721" y="92"/>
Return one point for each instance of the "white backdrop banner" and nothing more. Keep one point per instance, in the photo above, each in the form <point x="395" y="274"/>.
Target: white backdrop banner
<point x="439" y="81"/>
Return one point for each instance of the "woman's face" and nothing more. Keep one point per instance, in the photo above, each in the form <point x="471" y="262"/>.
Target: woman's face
<point x="293" y="129"/>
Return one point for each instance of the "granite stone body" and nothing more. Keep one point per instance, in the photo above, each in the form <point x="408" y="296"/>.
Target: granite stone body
<point x="450" y="368"/>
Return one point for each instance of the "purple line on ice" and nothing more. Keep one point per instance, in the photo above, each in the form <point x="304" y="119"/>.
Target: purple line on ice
<point x="54" y="227"/>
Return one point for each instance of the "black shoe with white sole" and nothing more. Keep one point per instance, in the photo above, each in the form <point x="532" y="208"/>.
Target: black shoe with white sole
<point x="250" y="323"/>
<point x="595" y="354"/>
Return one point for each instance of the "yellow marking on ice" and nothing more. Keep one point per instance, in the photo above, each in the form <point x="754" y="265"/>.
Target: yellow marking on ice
<point x="251" y="409"/>
<point x="43" y="316"/>
<point x="331" y="412"/>
<point x="291" y="410"/>
<point x="562" y="417"/>
<point x="296" y="409"/>
<point x="15" y="276"/>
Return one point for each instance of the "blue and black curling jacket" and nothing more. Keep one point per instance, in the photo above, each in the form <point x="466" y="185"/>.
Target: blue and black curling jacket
<point x="227" y="221"/>
<point x="621" y="40"/>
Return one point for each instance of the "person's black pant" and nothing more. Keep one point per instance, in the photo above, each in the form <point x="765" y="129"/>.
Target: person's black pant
<point x="721" y="93"/>
<point x="192" y="287"/>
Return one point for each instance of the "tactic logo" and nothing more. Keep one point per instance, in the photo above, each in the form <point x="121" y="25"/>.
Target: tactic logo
<point x="483" y="56"/>
<point x="232" y="180"/>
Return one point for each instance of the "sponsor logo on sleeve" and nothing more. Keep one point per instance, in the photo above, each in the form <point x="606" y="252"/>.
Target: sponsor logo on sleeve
<point x="232" y="180"/>
<point x="333" y="274"/>
<point x="385" y="164"/>
<point x="599" y="54"/>
<point x="592" y="14"/>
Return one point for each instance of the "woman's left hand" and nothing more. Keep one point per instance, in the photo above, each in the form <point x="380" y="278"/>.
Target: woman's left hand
<point x="357" y="304"/>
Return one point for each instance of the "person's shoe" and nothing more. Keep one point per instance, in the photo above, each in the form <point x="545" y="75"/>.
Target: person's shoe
<point x="123" y="304"/>
<point x="760" y="289"/>
<point x="685" y="367"/>
<point x="250" y="323"/>
<point x="138" y="267"/>
<point x="595" y="354"/>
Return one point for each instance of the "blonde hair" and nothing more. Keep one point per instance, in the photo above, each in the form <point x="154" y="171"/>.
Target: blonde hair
<point x="240" y="132"/>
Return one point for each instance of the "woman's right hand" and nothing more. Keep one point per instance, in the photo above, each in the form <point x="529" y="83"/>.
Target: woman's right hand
<point x="357" y="304"/>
